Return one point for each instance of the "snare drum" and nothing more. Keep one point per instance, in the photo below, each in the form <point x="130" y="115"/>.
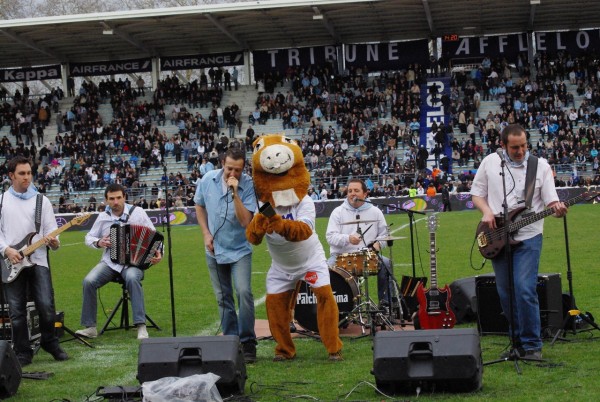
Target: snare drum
<point x="355" y="262"/>
<point x="345" y="290"/>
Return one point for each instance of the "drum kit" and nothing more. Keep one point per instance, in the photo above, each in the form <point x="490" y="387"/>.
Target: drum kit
<point x="350" y="284"/>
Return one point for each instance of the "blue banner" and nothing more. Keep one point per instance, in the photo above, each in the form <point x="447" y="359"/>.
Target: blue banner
<point x="432" y="110"/>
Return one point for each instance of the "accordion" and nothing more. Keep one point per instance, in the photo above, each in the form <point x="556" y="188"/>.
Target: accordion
<point x="134" y="245"/>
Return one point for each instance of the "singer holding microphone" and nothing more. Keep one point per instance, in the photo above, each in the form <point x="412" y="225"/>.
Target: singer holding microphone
<point x="488" y="196"/>
<point x="351" y="238"/>
<point x="225" y="202"/>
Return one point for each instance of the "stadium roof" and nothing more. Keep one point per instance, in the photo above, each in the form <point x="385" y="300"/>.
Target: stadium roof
<point x="259" y="25"/>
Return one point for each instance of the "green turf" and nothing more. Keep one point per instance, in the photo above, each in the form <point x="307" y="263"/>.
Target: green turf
<point x="569" y="374"/>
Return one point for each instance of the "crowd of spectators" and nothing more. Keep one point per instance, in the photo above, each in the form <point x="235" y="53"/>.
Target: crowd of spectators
<point x="348" y="124"/>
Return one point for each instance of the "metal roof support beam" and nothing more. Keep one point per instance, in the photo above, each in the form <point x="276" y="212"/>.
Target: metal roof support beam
<point x="328" y="25"/>
<point x="126" y="37"/>
<point x="428" y="15"/>
<point x="32" y="45"/>
<point x="223" y="28"/>
<point x="532" y="16"/>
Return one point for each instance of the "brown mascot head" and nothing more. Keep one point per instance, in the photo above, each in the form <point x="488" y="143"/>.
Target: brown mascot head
<point x="278" y="170"/>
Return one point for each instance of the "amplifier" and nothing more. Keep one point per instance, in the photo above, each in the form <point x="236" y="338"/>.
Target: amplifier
<point x="33" y="323"/>
<point x="491" y="320"/>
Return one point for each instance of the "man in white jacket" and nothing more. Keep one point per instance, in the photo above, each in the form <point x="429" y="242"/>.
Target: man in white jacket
<point x="360" y="237"/>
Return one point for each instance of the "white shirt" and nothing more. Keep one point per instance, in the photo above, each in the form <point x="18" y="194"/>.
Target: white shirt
<point x="488" y="185"/>
<point x="290" y="256"/>
<point x="18" y="220"/>
<point x="102" y="226"/>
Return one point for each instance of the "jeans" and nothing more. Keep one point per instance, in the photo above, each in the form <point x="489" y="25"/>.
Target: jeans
<point x="99" y="276"/>
<point x="38" y="282"/>
<point x="526" y="309"/>
<point x="221" y="276"/>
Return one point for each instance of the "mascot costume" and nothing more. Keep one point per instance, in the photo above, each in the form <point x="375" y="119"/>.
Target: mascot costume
<point x="287" y="219"/>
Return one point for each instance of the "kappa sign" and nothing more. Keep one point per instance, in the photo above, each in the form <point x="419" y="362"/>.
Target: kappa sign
<point x="30" y="74"/>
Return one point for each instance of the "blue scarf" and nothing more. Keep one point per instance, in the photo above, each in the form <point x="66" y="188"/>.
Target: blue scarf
<point x="31" y="192"/>
<point x="511" y="162"/>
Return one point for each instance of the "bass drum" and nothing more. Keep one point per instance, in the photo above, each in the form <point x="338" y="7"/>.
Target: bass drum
<point x="345" y="290"/>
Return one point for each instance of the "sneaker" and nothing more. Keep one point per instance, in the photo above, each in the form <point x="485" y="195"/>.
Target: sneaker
<point x="249" y="350"/>
<point x="89" y="332"/>
<point x="535" y="355"/>
<point x="336" y="357"/>
<point x="142" y="332"/>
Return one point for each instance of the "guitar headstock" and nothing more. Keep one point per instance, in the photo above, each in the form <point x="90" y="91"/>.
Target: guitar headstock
<point x="80" y="219"/>
<point x="432" y="222"/>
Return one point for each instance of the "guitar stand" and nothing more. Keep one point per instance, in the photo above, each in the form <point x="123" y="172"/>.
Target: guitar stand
<point x="75" y="337"/>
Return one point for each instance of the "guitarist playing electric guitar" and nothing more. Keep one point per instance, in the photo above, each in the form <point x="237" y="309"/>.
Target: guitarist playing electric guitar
<point x="18" y="208"/>
<point x="488" y="196"/>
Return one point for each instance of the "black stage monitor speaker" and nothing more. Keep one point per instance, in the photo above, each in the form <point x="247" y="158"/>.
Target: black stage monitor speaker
<point x="464" y="300"/>
<point x="446" y="360"/>
<point x="182" y="357"/>
<point x="491" y="319"/>
<point x="10" y="371"/>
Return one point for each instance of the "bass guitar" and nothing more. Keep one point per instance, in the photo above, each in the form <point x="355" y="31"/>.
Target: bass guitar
<point x="11" y="271"/>
<point x="491" y="242"/>
<point x="434" y="303"/>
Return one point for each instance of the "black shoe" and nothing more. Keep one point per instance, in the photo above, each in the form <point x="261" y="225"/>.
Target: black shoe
<point x="249" y="350"/>
<point x="24" y="360"/>
<point x="59" y="354"/>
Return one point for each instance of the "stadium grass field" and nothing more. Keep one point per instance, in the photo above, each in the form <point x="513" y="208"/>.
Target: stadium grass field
<point x="570" y="373"/>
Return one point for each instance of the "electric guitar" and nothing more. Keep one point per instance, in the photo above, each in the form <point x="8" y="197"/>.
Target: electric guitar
<point x="491" y="242"/>
<point x="11" y="271"/>
<point x="434" y="303"/>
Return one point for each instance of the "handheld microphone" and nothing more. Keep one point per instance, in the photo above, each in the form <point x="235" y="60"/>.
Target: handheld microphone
<point x="356" y="199"/>
<point x="500" y="153"/>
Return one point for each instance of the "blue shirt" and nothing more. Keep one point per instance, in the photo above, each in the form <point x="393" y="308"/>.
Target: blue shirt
<point x="230" y="242"/>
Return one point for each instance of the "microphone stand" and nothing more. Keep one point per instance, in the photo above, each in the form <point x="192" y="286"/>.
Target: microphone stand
<point x="6" y="335"/>
<point x="167" y="220"/>
<point x="408" y="288"/>
<point x="514" y="354"/>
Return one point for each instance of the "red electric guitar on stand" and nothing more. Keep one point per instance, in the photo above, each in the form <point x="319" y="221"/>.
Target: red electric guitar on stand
<point x="434" y="303"/>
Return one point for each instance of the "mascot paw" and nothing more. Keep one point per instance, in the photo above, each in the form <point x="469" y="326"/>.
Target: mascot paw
<point x="257" y="228"/>
<point x="276" y="224"/>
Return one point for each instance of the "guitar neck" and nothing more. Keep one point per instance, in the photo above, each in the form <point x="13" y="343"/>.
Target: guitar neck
<point x="34" y="246"/>
<point x="432" y="256"/>
<point x="528" y="220"/>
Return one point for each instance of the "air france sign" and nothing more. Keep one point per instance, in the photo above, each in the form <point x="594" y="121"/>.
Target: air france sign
<point x="111" y="67"/>
<point x="201" y="61"/>
<point x="30" y="74"/>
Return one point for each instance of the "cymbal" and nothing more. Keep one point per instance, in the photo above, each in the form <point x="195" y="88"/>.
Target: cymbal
<point x="358" y="221"/>
<point x="389" y="238"/>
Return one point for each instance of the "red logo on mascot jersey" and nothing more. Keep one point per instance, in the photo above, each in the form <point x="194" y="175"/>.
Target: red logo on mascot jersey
<point x="311" y="277"/>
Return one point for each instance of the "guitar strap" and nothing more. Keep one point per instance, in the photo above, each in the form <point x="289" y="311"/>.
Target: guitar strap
<point x="532" y="165"/>
<point x="38" y="212"/>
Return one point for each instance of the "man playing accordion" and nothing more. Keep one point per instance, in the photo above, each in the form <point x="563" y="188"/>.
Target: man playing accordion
<point x="119" y="213"/>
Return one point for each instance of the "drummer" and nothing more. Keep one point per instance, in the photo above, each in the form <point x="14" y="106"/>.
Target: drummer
<point x="354" y="227"/>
